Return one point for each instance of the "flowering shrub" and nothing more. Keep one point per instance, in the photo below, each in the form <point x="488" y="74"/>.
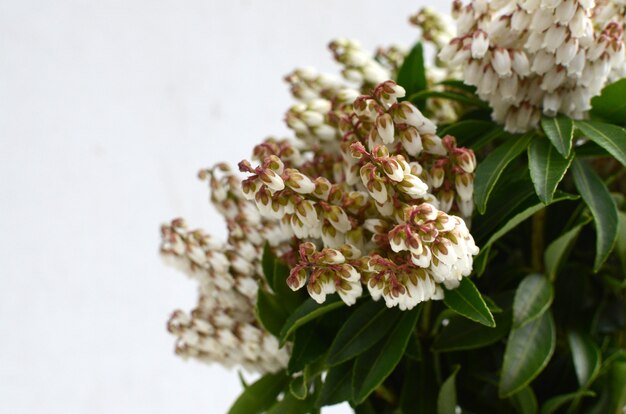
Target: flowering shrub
<point x="356" y="267"/>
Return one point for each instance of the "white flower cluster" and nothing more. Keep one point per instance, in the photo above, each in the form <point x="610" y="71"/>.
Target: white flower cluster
<point x="526" y="57"/>
<point x="330" y="195"/>
<point x="223" y="327"/>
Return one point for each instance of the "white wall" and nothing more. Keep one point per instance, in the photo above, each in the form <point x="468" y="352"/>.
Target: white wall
<point x="107" y="111"/>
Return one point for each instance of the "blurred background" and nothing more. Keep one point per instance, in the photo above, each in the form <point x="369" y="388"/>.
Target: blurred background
<point x="108" y="108"/>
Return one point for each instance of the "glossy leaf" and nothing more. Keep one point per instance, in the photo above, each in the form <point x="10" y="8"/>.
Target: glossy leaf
<point x="270" y="312"/>
<point x="553" y="404"/>
<point x="467" y="99"/>
<point x="461" y="334"/>
<point x="291" y="405"/>
<point x="468" y="131"/>
<point x="298" y="387"/>
<point x="372" y="367"/>
<point x="527" y="352"/>
<point x="288" y="298"/>
<point x="446" y="400"/>
<point x="602" y="206"/>
<point x="363" y="329"/>
<point x="547" y="168"/>
<point x="467" y="301"/>
<point x="308" y="346"/>
<point x="490" y="169"/>
<point x="610" y="104"/>
<point x="267" y="264"/>
<point x="307" y="312"/>
<point x="523" y="215"/>
<point x="337" y="386"/>
<point x="261" y="395"/>
<point x="533" y="297"/>
<point x="412" y="74"/>
<point x="586" y="356"/>
<point x="525" y="401"/>
<point x="557" y="251"/>
<point x="620" y="246"/>
<point x="560" y="132"/>
<point x="610" y="137"/>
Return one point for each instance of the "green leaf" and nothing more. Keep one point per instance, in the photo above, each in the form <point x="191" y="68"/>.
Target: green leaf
<point x="261" y="395"/>
<point x="602" y="207"/>
<point x="372" y="367"/>
<point x="446" y="400"/>
<point x="298" y="387"/>
<point x="523" y="215"/>
<point x="412" y="74"/>
<point x="467" y="301"/>
<point x="490" y="169"/>
<point x="557" y="251"/>
<point x="461" y="334"/>
<point x="337" y="386"/>
<point x="527" y="352"/>
<point x="610" y="137"/>
<point x="533" y="297"/>
<point x="308" y="346"/>
<point x="547" y="168"/>
<point x="586" y="356"/>
<point x="560" y="132"/>
<point x="290" y="405"/>
<point x="267" y="264"/>
<point x="307" y="312"/>
<point x="419" y="97"/>
<point x="270" y="312"/>
<point x="554" y="403"/>
<point x="610" y="104"/>
<point x="620" y="246"/>
<point x="363" y="329"/>
<point x="525" y="401"/>
<point x="473" y="133"/>
<point x="289" y="299"/>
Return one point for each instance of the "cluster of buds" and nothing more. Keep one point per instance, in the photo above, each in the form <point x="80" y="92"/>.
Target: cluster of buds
<point x="390" y="162"/>
<point x="358" y="65"/>
<point x="222" y="328"/>
<point x="436" y="28"/>
<point x="526" y="57"/>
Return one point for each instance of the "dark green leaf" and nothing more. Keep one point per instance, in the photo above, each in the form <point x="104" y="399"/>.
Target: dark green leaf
<point x="547" y="168"/>
<point x="307" y="312"/>
<point x="554" y="403"/>
<point x="270" y="312"/>
<point x="586" y="357"/>
<point x="412" y="74"/>
<point x="446" y="400"/>
<point x="557" y="251"/>
<point x="372" y="367"/>
<point x="288" y="298"/>
<point x="461" y="333"/>
<point x="299" y="387"/>
<point x="267" y="263"/>
<point x="414" y="348"/>
<point x="291" y="405"/>
<point x="421" y="96"/>
<point x="308" y="346"/>
<point x="610" y="104"/>
<point x="337" y="386"/>
<point x="525" y="401"/>
<point x="457" y="84"/>
<point x="620" y="247"/>
<point x="527" y="352"/>
<point x="468" y="131"/>
<point x="261" y="395"/>
<point x="364" y="328"/>
<point x="602" y="207"/>
<point x="523" y="215"/>
<point x="560" y="132"/>
<point x="467" y="301"/>
<point x="533" y="297"/>
<point x="490" y="169"/>
<point x="610" y="137"/>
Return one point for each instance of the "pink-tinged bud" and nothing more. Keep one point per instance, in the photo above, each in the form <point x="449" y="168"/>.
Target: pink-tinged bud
<point x="480" y="44"/>
<point x="388" y="93"/>
<point x="330" y="256"/>
<point x="350" y="252"/>
<point x="357" y="150"/>
<point x="397" y="238"/>
<point x="501" y="62"/>
<point x="465" y="159"/>
<point x="385" y="128"/>
<point x="338" y="218"/>
<point x="249" y="187"/>
<point x="298" y="182"/>
<point x="464" y="184"/>
<point x="297" y="277"/>
<point x="412" y="186"/>
<point x="272" y="180"/>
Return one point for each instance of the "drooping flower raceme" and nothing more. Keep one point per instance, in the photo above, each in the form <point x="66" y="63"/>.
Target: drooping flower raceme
<point x="528" y="57"/>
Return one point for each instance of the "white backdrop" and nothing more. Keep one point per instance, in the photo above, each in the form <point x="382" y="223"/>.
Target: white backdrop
<point x="108" y="108"/>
